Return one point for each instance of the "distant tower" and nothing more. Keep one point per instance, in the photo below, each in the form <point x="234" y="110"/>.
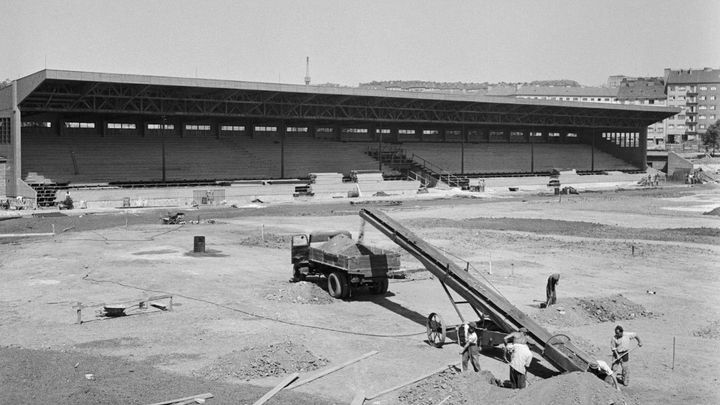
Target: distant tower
<point x="307" y="71"/>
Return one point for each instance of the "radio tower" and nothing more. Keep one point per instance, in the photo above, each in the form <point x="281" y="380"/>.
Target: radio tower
<point x="307" y="71"/>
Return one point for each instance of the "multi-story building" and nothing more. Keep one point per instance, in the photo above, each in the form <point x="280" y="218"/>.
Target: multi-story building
<point x="646" y="91"/>
<point x="578" y="94"/>
<point x="695" y="91"/>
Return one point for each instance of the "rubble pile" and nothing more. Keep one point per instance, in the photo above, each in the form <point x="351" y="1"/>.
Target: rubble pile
<point x="613" y="308"/>
<point x="571" y="312"/>
<point x="262" y="361"/>
<point x="268" y="240"/>
<point x="712" y="331"/>
<point x="302" y="292"/>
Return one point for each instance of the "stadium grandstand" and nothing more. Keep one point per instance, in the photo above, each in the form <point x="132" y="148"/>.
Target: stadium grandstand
<point x="68" y="129"/>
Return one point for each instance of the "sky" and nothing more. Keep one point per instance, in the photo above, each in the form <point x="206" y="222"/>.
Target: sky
<point x="351" y="42"/>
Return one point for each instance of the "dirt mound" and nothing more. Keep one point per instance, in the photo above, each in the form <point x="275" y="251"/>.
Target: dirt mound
<point x="711" y="331"/>
<point x="572" y="312"/>
<point x="50" y="377"/>
<point x="613" y="308"/>
<point x="262" y="361"/>
<point x="302" y="292"/>
<point x="269" y="240"/>
<point x="454" y="387"/>
<point x="715" y="211"/>
<point x="459" y="387"/>
<point x="566" y="389"/>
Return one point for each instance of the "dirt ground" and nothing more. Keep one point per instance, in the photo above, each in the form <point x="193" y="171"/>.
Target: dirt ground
<point x="646" y="259"/>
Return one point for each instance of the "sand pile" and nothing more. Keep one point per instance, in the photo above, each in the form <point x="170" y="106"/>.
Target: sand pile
<point x="262" y="361"/>
<point x="479" y="388"/>
<point x="715" y="211"/>
<point x="341" y="245"/>
<point x="302" y="292"/>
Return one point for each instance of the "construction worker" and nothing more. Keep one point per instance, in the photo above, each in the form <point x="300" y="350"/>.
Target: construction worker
<point x="604" y="372"/>
<point x="467" y="338"/>
<point x="520" y="359"/>
<point x="550" y="293"/>
<point x="517" y="337"/>
<point x="620" y="345"/>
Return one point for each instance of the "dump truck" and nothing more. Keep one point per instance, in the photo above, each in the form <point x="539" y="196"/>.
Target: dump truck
<point x="345" y="263"/>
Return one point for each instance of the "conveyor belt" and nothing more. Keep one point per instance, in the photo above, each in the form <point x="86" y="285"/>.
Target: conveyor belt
<point x="560" y="352"/>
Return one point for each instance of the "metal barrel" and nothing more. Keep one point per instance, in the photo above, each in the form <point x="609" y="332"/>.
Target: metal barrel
<point x="199" y="244"/>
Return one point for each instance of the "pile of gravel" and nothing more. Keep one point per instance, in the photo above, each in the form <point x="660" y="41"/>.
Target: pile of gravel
<point x="302" y="292"/>
<point x="262" y="361"/>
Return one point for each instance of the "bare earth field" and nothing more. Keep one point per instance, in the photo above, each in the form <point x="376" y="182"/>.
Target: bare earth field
<point x="646" y="259"/>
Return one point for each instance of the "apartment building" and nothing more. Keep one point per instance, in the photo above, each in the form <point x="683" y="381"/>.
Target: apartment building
<point x="645" y="91"/>
<point x="695" y="91"/>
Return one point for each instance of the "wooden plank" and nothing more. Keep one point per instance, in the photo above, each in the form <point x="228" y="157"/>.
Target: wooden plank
<point x="414" y="380"/>
<point x="21" y="235"/>
<point x="284" y="383"/>
<point x="332" y="369"/>
<point x="173" y="401"/>
<point x="358" y="399"/>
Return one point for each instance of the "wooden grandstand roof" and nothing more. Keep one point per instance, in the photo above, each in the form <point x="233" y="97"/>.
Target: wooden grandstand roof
<point x="78" y="93"/>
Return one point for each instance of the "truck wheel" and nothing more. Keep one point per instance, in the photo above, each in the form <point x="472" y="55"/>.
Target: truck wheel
<point x="297" y="274"/>
<point x="380" y="287"/>
<point x="338" y="285"/>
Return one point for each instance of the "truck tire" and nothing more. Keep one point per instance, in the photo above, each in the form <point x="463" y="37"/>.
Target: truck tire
<point x="338" y="285"/>
<point x="381" y="287"/>
<point x="297" y="274"/>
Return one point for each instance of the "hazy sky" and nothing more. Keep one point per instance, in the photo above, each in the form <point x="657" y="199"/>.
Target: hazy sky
<point x="349" y="42"/>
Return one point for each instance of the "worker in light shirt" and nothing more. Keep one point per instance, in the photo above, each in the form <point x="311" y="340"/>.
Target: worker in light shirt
<point x="604" y="372"/>
<point x="520" y="359"/>
<point x="469" y="341"/>
<point x="620" y="345"/>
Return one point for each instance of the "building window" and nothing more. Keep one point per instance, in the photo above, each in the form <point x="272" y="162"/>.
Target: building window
<point x="382" y="131"/>
<point x="536" y="134"/>
<point x="516" y="134"/>
<point x="296" y="129"/>
<point x="712" y="98"/>
<point x="236" y="128"/>
<point x="554" y="134"/>
<point x="702" y="98"/>
<point x="712" y="117"/>
<point x="84" y="125"/>
<point x="713" y="88"/>
<point x="36" y="124"/>
<point x="703" y="88"/>
<point x="161" y="126"/>
<point x="571" y="135"/>
<point x="430" y="132"/>
<point x="4" y="130"/>
<point x="265" y="129"/>
<point x="406" y="131"/>
<point x="120" y="125"/>
<point x="702" y="126"/>
<point x="703" y="107"/>
<point x="702" y="117"/>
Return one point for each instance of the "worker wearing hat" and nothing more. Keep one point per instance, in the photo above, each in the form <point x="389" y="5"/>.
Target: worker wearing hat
<point x="467" y="338"/>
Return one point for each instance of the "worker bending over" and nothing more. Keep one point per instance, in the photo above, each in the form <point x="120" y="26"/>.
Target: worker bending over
<point x="604" y="372"/>
<point x="520" y="359"/>
<point x="552" y="282"/>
